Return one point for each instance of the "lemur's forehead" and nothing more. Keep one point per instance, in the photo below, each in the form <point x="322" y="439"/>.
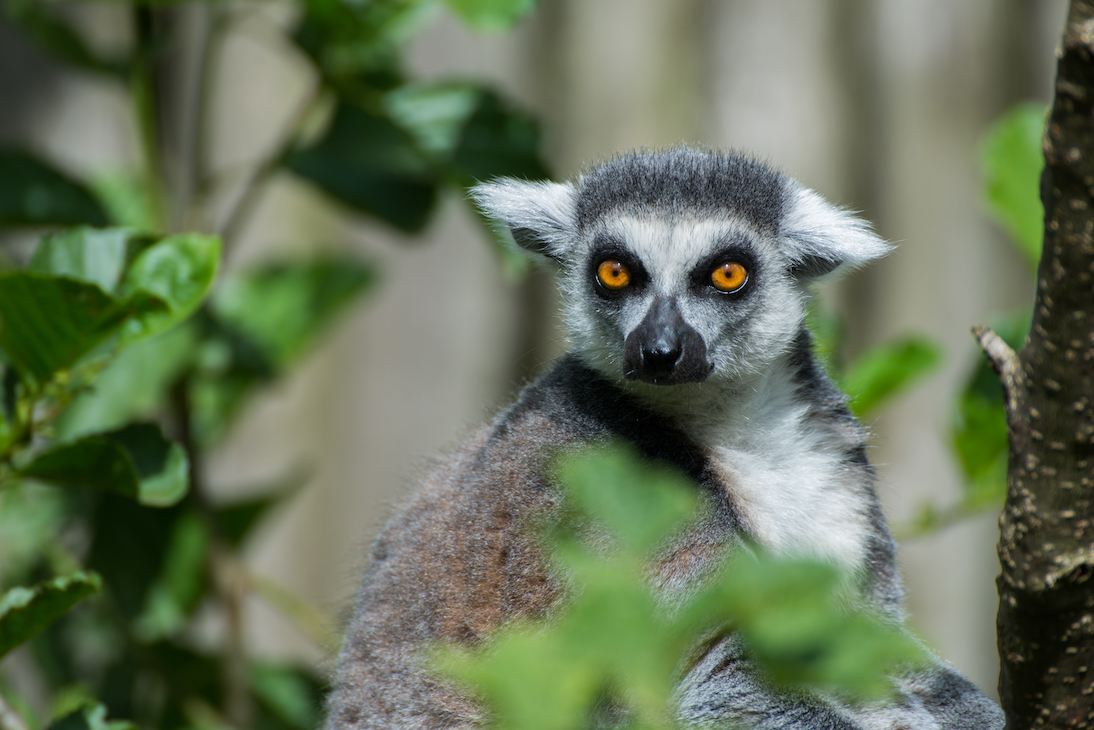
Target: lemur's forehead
<point x="676" y="242"/>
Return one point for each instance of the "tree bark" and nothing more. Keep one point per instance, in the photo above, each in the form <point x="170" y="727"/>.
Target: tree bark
<point x="1046" y="546"/>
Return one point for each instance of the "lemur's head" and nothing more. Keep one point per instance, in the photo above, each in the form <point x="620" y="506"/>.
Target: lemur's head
<point x="684" y="265"/>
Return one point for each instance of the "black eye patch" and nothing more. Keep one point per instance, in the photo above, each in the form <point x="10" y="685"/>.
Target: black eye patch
<point x="708" y="274"/>
<point x="610" y="251"/>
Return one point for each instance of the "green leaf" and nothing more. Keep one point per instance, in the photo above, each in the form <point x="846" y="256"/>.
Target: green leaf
<point x="979" y="433"/>
<point x="615" y="643"/>
<point x="356" y="46"/>
<point x="57" y="312"/>
<point x="31" y="516"/>
<point x="829" y="333"/>
<point x="640" y="502"/>
<point x="794" y="617"/>
<point x="91" y="716"/>
<point x="368" y="163"/>
<point x="1011" y="162"/>
<point x="177" y="270"/>
<point x="181" y="584"/>
<point x="499" y="140"/>
<point x="472" y="130"/>
<point x="95" y="256"/>
<point x="33" y="193"/>
<point x="433" y="113"/>
<point x="289" y="693"/>
<point x="476" y="136"/>
<point x="129" y="546"/>
<point x="48" y="323"/>
<point x="883" y="371"/>
<point x="135" y="461"/>
<point x="126" y="199"/>
<point x="132" y="385"/>
<point x="283" y="308"/>
<point x="491" y="15"/>
<point x="24" y="612"/>
<point x="237" y="519"/>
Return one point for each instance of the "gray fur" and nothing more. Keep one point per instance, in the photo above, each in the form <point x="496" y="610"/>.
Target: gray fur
<point x="724" y="386"/>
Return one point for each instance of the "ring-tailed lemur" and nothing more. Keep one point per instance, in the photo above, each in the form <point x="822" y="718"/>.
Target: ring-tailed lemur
<point x="684" y="276"/>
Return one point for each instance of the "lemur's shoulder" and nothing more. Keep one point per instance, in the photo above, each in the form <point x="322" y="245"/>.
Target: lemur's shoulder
<point x="462" y="552"/>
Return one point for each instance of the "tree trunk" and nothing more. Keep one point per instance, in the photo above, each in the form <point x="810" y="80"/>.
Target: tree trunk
<point x="1046" y="546"/>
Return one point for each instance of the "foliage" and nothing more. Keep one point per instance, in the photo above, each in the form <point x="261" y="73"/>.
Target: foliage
<point x="126" y="353"/>
<point x="877" y="376"/>
<point x="1011" y="163"/>
<point x="617" y="649"/>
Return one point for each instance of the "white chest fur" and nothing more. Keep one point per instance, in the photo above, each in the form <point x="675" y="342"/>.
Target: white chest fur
<point x="796" y="502"/>
<point x="786" y="474"/>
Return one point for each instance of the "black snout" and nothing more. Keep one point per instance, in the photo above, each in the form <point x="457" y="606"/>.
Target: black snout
<point x="664" y="349"/>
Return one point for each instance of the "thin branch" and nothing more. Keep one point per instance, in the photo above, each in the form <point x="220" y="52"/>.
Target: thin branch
<point x="240" y="214"/>
<point x="305" y="616"/>
<point x="936" y="519"/>
<point x="1007" y="365"/>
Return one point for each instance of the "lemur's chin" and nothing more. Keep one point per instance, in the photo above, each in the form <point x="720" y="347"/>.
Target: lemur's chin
<point x="680" y="376"/>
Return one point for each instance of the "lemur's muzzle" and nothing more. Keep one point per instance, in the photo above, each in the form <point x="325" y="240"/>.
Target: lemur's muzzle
<point x="664" y="349"/>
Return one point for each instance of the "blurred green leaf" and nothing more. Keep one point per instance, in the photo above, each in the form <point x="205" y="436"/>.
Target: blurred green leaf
<point x="178" y="270"/>
<point x="33" y="193"/>
<point x="470" y="129"/>
<point x="24" y="612"/>
<point x="132" y="385"/>
<point x="95" y="256"/>
<point x="474" y="135"/>
<point x="31" y="516"/>
<point x="499" y="140"/>
<point x="182" y="581"/>
<point x="129" y="544"/>
<point x="979" y="433"/>
<point x="237" y="519"/>
<point x="368" y="163"/>
<point x="491" y="15"/>
<point x="433" y="113"/>
<point x="91" y="716"/>
<point x="1011" y="162"/>
<point x="126" y="199"/>
<point x="48" y="323"/>
<point x="56" y="36"/>
<point x="135" y="461"/>
<point x="617" y="640"/>
<point x="283" y="308"/>
<point x="829" y="332"/>
<point x="355" y="45"/>
<point x="289" y="693"/>
<point x="793" y="616"/>
<point x="640" y="502"/>
<point x="883" y="371"/>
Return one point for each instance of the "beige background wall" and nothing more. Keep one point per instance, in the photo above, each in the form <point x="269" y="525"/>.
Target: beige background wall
<point x="878" y="104"/>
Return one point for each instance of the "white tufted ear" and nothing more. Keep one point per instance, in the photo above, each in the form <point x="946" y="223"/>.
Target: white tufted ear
<point x="540" y="215"/>
<point x="820" y="239"/>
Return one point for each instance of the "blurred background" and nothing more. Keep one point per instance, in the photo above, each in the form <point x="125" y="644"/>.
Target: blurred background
<point x="880" y="105"/>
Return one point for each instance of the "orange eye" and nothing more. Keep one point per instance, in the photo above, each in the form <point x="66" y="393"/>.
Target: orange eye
<point x="729" y="277"/>
<point x="613" y="275"/>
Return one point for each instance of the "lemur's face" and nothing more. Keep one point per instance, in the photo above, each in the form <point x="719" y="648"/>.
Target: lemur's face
<point x="682" y="266"/>
<point x="678" y="300"/>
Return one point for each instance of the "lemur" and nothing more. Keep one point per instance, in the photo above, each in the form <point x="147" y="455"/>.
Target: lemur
<point x="685" y="276"/>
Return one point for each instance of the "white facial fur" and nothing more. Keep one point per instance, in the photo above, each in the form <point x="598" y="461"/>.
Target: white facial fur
<point x="814" y="240"/>
<point x="742" y="336"/>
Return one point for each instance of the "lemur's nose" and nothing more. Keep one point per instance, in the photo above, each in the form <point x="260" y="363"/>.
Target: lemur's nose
<point x="661" y="356"/>
<point x="664" y="349"/>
